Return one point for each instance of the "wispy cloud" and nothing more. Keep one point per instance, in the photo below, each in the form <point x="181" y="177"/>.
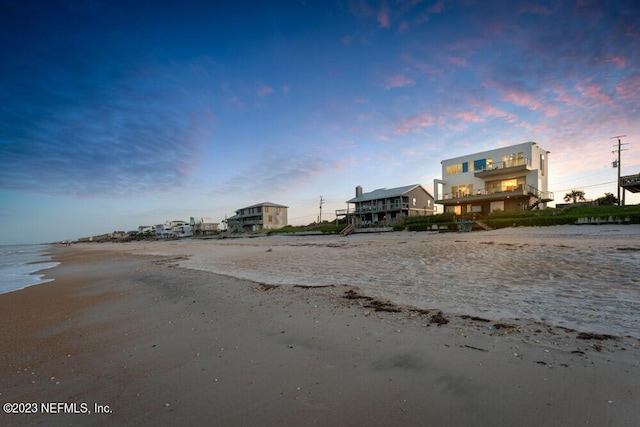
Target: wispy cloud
<point x="263" y="90"/>
<point x="398" y="80"/>
<point x="594" y="92"/>
<point x="383" y="16"/>
<point x="629" y="88"/>
<point x="278" y="178"/>
<point x="415" y="123"/>
<point x="118" y="136"/>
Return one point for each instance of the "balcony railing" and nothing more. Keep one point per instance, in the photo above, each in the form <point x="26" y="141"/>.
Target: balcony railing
<point x="498" y="167"/>
<point x="521" y="189"/>
<point x="371" y="208"/>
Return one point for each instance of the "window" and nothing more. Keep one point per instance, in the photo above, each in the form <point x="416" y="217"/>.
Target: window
<point x="266" y="208"/>
<point x="542" y="164"/>
<point x="270" y="218"/>
<point x="458" y="168"/>
<point x="414" y="201"/>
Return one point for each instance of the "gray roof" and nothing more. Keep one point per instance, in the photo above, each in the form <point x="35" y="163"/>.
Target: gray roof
<point x="275" y="205"/>
<point x="384" y="193"/>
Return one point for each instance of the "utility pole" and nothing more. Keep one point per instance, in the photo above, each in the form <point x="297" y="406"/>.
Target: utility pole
<point x="618" y="163"/>
<point x="320" y="217"/>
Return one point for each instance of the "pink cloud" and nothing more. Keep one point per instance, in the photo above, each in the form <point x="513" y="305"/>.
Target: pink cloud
<point x="398" y="80"/>
<point x="522" y="99"/>
<point x="461" y="62"/>
<point x="527" y="100"/>
<point x="437" y="7"/>
<point x="414" y="123"/>
<point x="422" y="66"/>
<point x="594" y="91"/>
<point x="629" y="87"/>
<point x="285" y="89"/>
<point x="403" y="28"/>
<point x="383" y="16"/>
<point x="264" y="90"/>
<point x="469" y="116"/>
<point x="360" y="8"/>
<point x="490" y="110"/>
<point x="347" y="40"/>
<point x="618" y="60"/>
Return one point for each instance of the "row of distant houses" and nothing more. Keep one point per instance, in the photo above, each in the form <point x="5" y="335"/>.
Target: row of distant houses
<point x="504" y="179"/>
<point x="196" y="226"/>
<point x="509" y="178"/>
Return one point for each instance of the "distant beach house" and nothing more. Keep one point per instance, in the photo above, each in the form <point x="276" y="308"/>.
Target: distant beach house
<point x="262" y="216"/>
<point x="203" y="225"/>
<point x="513" y="178"/>
<point x="386" y="204"/>
<point x="173" y="230"/>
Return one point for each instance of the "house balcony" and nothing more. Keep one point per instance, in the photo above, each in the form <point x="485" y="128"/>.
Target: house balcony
<point x="630" y="183"/>
<point x="496" y="193"/>
<point x="373" y="208"/>
<point x="249" y="221"/>
<point x="504" y="168"/>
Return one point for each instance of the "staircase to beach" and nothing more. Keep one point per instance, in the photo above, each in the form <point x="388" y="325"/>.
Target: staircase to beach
<point x="348" y="230"/>
<point x="483" y="225"/>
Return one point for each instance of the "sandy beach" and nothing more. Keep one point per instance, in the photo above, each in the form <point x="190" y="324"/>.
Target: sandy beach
<point x="388" y="329"/>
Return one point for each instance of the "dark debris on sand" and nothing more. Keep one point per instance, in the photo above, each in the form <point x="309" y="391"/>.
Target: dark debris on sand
<point x="439" y="319"/>
<point x="592" y="336"/>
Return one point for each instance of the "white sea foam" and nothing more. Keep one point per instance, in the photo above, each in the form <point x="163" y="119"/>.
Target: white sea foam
<point x="19" y="264"/>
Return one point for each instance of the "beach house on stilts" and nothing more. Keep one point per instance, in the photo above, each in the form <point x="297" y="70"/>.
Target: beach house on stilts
<point x="384" y="205"/>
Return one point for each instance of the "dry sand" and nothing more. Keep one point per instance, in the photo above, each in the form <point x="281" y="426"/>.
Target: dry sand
<point x="164" y="345"/>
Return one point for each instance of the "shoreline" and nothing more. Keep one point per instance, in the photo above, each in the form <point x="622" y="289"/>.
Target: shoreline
<point x="587" y="281"/>
<point x="164" y="344"/>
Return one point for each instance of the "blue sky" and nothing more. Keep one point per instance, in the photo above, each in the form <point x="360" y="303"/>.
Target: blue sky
<point x="118" y="114"/>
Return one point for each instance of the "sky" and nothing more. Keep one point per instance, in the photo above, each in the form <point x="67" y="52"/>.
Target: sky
<point x="117" y="114"/>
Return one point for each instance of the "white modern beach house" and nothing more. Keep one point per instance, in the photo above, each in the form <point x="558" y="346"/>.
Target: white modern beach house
<point x="513" y="178"/>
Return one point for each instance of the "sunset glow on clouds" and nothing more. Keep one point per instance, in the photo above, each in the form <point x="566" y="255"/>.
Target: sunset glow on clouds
<point x="115" y="114"/>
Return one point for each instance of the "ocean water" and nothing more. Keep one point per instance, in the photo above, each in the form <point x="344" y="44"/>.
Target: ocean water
<point x="19" y="264"/>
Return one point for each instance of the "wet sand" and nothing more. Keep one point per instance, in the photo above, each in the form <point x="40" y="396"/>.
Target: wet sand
<point x="164" y="345"/>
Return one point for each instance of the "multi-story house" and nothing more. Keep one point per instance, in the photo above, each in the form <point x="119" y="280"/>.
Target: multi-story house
<point x="386" y="204"/>
<point x="203" y="225"/>
<point x="510" y="178"/>
<point x="263" y="216"/>
<point x="173" y="230"/>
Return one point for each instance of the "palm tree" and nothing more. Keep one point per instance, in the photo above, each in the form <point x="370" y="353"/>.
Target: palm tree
<point x="608" y="199"/>
<point x="574" y="196"/>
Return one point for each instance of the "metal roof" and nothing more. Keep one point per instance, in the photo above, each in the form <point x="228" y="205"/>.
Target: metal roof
<point x="384" y="193"/>
<point x="275" y="205"/>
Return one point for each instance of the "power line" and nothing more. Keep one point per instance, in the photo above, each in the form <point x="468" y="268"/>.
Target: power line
<point x="582" y="177"/>
<point x="585" y="186"/>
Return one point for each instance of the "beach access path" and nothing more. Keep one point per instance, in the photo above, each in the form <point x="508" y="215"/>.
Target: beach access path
<point x="150" y="343"/>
